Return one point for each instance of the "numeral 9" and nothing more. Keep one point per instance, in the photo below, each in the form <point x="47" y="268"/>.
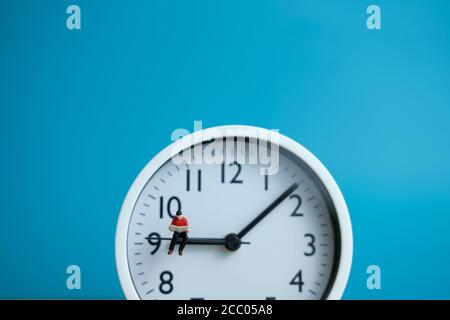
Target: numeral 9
<point x="154" y="239"/>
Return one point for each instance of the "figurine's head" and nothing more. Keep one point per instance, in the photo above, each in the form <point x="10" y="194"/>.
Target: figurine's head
<point x="179" y="214"/>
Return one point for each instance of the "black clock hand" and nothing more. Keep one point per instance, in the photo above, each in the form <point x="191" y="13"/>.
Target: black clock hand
<point x="267" y="210"/>
<point x="210" y="241"/>
<point x="207" y="241"/>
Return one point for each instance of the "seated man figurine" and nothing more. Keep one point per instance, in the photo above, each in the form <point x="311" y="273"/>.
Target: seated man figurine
<point x="180" y="228"/>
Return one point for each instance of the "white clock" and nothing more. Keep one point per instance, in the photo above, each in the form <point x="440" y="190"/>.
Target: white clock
<point x="253" y="235"/>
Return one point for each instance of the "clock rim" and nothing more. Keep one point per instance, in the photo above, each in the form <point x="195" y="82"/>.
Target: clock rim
<point x="344" y="224"/>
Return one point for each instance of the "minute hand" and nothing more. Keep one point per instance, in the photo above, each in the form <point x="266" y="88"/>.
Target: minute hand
<point x="210" y="241"/>
<point x="267" y="210"/>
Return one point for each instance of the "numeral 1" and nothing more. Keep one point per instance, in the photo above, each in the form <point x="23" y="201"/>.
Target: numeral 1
<point x="266" y="182"/>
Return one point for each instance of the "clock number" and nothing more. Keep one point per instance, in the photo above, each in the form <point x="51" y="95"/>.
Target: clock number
<point x="295" y="213"/>
<point x="166" y="285"/>
<point x="154" y="239"/>
<point x="235" y="180"/>
<point x="238" y="172"/>
<point x="171" y="212"/>
<point x="188" y="180"/>
<point x="310" y="244"/>
<point x="297" y="280"/>
<point x="223" y="172"/>
<point x="266" y="182"/>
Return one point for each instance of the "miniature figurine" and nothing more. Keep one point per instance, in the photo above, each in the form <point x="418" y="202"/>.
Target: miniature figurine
<point x="180" y="228"/>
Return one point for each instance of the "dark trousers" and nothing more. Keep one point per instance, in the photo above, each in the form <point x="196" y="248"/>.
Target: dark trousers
<point x="183" y="236"/>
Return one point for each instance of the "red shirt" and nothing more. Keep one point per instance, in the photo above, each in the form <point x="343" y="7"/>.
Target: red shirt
<point x="180" y="222"/>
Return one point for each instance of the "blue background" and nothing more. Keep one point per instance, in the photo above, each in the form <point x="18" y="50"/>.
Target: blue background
<point x="81" y="112"/>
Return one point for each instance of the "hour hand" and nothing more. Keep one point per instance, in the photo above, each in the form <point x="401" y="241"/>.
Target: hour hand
<point x="220" y="241"/>
<point x="207" y="241"/>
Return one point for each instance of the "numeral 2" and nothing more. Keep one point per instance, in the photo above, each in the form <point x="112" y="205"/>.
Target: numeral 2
<point x="295" y="213"/>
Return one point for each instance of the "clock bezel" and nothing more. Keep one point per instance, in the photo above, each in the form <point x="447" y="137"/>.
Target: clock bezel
<point x="345" y="254"/>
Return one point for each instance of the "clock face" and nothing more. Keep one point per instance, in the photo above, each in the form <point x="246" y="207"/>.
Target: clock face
<point x="291" y="251"/>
